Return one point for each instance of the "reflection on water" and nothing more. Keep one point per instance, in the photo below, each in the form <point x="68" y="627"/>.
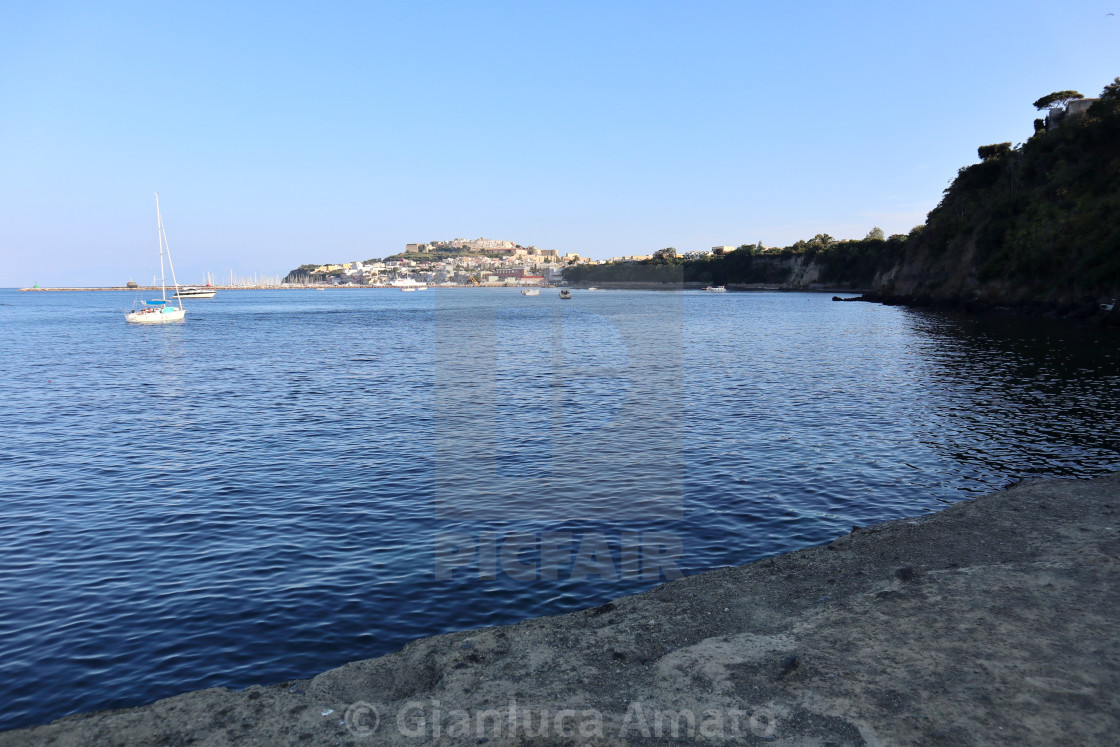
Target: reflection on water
<point x="1012" y="398"/>
<point x="273" y="488"/>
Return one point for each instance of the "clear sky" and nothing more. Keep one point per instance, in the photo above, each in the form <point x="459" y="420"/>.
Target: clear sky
<point x="279" y="133"/>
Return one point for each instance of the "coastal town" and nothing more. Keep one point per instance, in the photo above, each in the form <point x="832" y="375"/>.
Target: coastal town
<point x="458" y="262"/>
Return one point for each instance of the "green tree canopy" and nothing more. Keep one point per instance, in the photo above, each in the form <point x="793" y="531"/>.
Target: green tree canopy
<point x="996" y="150"/>
<point x="668" y="254"/>
<point x="1057" y="98"/>
<point x="876" y="233"/>
<point x="1109" y="100"/>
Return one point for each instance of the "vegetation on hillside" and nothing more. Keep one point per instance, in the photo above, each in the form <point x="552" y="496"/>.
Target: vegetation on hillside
<point x="1043" y="213"/>
<point x="851" y="263"/>
<point x="1037" y="220"/>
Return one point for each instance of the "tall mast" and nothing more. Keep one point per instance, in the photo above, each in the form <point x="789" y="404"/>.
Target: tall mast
<point x="162" y="245"/>
<point x="159" y="235"/>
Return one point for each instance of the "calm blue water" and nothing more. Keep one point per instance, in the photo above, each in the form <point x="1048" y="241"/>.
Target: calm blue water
<point x="296" y="479"/>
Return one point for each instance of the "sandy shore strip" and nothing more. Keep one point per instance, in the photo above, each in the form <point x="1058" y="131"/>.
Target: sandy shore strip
<point x="994" y="621"/>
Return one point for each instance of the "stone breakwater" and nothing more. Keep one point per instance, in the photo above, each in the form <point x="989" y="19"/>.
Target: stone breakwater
<point x="994" y="621"/>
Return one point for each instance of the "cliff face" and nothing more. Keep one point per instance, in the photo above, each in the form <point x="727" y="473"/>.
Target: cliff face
<point x="1033" y="226"/>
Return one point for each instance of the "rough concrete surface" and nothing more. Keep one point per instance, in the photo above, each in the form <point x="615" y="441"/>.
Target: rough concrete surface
<point x="994" y="621"/>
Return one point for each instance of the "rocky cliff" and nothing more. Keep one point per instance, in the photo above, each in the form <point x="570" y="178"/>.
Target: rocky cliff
<point x="1034" y="227"/>
<point x="1031" y="226"/>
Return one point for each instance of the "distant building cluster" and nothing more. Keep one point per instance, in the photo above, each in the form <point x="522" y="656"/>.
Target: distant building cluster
<point x="481" y="244"/>
<point x="479" y="261"/>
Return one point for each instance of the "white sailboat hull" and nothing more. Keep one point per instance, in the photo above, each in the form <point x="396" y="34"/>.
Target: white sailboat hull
<point x="155" y="316"/>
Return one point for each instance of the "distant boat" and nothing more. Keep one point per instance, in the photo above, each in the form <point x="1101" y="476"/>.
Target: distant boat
<point x="565" y="294"/>
<point x="161" y="311"/>
<point x="409" y="290"/>
<point x="530" y="292"/>
<point x="716" y="289"/>
<point x="593" y="288"/>
<point x="193" y="292"/>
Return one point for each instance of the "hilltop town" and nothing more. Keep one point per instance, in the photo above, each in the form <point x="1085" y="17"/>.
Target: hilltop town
<point x="480" y="261"/>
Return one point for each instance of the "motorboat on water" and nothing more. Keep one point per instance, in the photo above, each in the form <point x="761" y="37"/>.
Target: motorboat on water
<point x="194" y="292"/>
<point x="716" y="289"/>
<point x="530" y="292"/>
<point x="565" y="294"/>
<point x="159" y="311"/>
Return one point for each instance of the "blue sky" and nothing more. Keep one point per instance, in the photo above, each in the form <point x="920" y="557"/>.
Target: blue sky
<point x="280" y="133"/>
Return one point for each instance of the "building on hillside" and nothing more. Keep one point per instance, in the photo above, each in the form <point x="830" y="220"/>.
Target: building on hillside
<point x="1072" y="109"/>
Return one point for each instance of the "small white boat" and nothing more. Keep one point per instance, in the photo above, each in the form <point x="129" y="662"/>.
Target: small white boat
<point x="161" y="311"/>
<point x="530" y="292"/>
<point x="193" y="292"/>
<point x="408" y="284"/>
<point x="593" y="288"/>
<point x="716" y="289"/>
<point x="565" y="294"/>
<point x="409" y="290"/>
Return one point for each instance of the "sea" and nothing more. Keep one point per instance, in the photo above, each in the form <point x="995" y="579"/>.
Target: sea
<point x="294" y="479"/>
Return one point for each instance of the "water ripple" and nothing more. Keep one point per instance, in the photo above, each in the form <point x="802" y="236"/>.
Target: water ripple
<point x="262" y="493"/>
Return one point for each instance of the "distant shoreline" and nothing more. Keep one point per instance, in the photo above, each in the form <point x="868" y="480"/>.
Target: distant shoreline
<point x="580" y="286"/>
<point x="149" y="288"/>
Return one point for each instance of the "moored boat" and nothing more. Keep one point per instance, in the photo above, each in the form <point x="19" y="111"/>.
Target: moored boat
<point x="193" y="292"/>
<point x="565" y="294"/>
<point x="156" y="312"/>
<point x="161" y="311"/>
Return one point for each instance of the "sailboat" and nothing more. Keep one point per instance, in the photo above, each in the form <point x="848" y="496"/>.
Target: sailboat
<point x="161" y="311"/>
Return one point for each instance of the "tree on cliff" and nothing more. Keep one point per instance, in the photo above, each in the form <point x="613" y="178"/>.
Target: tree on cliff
<point x="996" y="150"/>
<point x="875" y="234"/>
<point x="668" y="255"/>
<point x="1057" y="98"/>
<point x="1109" y="101"/>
